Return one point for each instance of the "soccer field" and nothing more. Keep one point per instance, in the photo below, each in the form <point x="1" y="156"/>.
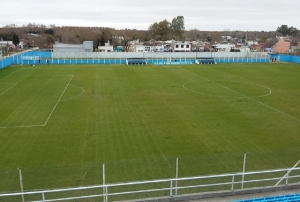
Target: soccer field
<point x="60" y="123"/>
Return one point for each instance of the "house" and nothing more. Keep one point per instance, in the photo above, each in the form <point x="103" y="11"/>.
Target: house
<point x="5" y="46"/>
<point x="223" y="47"/>
<point x="132" y="45"/>
<point x="251" y="43"/>
<point x="142" y="48"/>
<point x="257" y="48"/>
<point x="8" y="44"/>
<point x="282" y="46"/>
<point x="106" y="48"/>
<point x="295" y="50"/>
<point x="226" y="38"/>
<point x="182" y="47"/>
<point x="135" y="42"/>
<point x="30" y="40"/>
<point x="198" y="46"/>
<point x="118" y="39"/>
<point x="178" y="46"/>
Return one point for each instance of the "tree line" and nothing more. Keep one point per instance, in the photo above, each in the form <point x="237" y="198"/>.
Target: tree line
<point x="162" y="30"/>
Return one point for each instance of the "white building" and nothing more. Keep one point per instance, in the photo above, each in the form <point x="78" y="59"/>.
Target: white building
<point x="182" y="47"/>
<point x="142" y="48"/>
<point x="106" y="48"/>
<point x="7" y="43"/>
<point x="86" y="46"/>
<point x="21" y="45"/>
<point x="252" y="43"/>
<point x="223" y="47"/>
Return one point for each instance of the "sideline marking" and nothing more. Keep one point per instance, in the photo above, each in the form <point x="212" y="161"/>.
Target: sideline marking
<point x="10" y="74"/>
<point x="277" y="110"/>
<point x="9" y="88"/>
<point x="270" y="91"/>
<point x="30" y="126"/>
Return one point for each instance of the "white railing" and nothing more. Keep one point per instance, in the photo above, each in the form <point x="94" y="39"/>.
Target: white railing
<point x="163" y="187"/>
<point x="159" y="55"/>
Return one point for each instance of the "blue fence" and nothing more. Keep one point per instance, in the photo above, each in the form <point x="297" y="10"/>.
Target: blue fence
<point x="5" y="62"/>
<point x="285" y="58"/>
<point x="28" y="57"/>
<point x="41" y="57"/>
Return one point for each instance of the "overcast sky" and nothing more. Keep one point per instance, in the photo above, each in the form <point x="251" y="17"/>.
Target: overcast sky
<point x="208" y="15"/>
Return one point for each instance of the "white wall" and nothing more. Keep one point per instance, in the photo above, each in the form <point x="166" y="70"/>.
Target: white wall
<point x="159" y="55"/>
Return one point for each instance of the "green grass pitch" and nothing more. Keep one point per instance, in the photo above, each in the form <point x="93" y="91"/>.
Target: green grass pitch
<point x="60" y="123"/>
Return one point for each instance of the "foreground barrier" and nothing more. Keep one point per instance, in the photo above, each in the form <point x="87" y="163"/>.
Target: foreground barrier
<point x="168" y="188"/>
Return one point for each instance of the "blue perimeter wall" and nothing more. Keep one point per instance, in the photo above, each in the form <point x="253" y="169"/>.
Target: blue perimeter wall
<point x="33" y="58"/>
<point x="290" y="58"/>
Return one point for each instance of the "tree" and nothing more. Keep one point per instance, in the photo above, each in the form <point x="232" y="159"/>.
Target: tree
<point x="177" y="27"/>
<point x="15" y="39"/>
<point x="50" y="39"/>
<point x="194" y="34"/>
<point x="161" y="30"/>
<point x="165" y="30"/>
<point x="49" y="31"/>
<point x="102" y="40"/>
<point x="105" y="37"/>
<point x="285" y="30"/>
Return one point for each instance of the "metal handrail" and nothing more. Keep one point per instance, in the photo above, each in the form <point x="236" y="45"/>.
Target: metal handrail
<point x="171" y="188"/>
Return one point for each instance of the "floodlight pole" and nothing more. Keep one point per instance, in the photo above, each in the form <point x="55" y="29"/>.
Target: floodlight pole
<point x="176" y="175"/>
<point x="21" y="183"/>
<point x="244" y="167"/>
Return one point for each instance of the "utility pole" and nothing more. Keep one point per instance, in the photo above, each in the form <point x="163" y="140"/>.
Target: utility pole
<point x="209" y="40"/>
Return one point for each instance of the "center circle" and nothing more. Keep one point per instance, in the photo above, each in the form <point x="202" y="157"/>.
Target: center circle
<point x="223" y="88"/>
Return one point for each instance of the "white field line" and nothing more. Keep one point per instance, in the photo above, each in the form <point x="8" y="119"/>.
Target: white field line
<point x="58" y="100"/>
<point x="8" y="89"/>
<point x="270" y="91"/>
<point x="30" y="126"/>
<point x="10" y="74"/>
<point x="277" y="110"/>
<point x="47" y="75"/>
<point x="82" y="91"/>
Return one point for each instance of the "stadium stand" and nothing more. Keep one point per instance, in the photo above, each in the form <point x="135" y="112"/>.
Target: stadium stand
<point x="289" y="197"/>
<point x="136" y="61"/>
<point x="205" y="61"/>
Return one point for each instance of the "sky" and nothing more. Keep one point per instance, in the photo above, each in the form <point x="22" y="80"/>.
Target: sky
<point x="204" y="15"/>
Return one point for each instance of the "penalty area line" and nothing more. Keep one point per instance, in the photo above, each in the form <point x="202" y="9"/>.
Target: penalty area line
<point x="72" y="76"/>
<point x="59" y="99"/>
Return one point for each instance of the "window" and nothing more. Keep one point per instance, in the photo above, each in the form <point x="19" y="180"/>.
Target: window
<point x="187" y="46"/>
<point x="182" y="46"/>
<point x="176" y="46"/>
